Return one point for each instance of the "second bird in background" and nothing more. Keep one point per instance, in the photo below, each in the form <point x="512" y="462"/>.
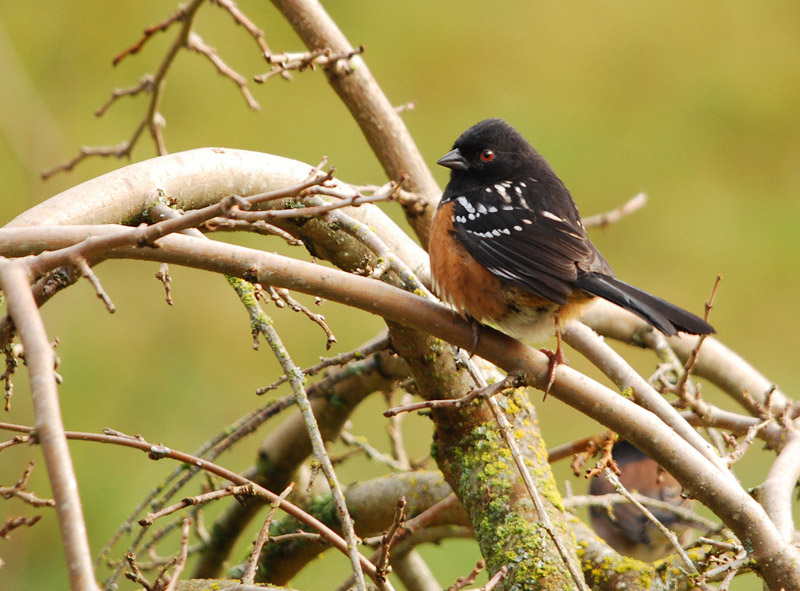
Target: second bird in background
<point x="625" y="528"/>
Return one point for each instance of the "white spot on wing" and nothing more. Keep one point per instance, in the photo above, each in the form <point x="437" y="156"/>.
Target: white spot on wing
<point x="481" y="208"/>
<point x="552" y="216"/>
<point x="502" y="192"/>
<point x="464" y="202"/>
<point x="518" y="190"/>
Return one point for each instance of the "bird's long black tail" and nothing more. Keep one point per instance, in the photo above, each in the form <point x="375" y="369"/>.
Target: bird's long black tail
<point x="666" y="317"/>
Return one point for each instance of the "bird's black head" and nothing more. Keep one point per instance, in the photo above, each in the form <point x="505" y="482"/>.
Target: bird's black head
<point x="490" y="151"/>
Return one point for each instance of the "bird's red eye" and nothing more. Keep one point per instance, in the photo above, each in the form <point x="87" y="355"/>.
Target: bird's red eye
<point x="487" y="155"/>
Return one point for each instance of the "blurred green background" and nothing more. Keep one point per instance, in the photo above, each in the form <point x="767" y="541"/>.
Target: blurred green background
<point x="697" y="104"/>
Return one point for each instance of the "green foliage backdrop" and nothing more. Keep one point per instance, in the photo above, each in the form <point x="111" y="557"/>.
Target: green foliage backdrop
<point x="694" y="103"/>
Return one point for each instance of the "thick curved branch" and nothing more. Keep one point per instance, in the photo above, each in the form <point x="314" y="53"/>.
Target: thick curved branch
<point x="776" y="491"/>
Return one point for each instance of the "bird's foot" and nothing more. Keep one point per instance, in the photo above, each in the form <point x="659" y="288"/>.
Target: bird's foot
<point x="556" y="358"/>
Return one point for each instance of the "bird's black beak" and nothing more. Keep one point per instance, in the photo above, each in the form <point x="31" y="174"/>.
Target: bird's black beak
<point x="454" y="160"/>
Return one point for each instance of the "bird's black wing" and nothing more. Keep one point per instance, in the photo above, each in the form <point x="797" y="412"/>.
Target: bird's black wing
<point x="534" y="243"/>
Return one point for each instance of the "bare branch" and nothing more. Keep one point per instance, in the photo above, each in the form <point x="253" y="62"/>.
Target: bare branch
<point x="341" y="359"/>
<point x="382" y="563"/>
<point x="296" y="381"/>
<point x="318" y="319"/>
<point x="157" y="452"/>
<point x="692" y="361"/>
<point x="145" y="85"/>
<point x="496" y="579"/>
<point x="285" y="62"/>
<point x="361" y="443"/>
<point x="196" y="44"/>
<point x="135" y="573"/>
<point x="604" y="220"/>
<point x="18" y="491"/>
<point x="86" y="271"/>
<point x="243" y="490"/>
<point x="382" y="126"/>
<point x="152" y="120"/>
<point x="252" y="562"/>
<point x="180" y="564"/>
<point x="39" y="358"/>
<point x="164" y="277"/>
<point x="13" y="523"/>
<point x="179" y="16"/>
<point x="462" y="582"/>
<point x="241" y="19"/>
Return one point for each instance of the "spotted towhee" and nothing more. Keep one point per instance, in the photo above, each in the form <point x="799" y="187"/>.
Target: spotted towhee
<point x="625" y="528"/>
<point x="508" y="248"/>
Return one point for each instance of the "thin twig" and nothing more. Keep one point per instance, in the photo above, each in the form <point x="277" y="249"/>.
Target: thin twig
<point x="252" y="562"/>
<point x="13" y="523"/>
<point x="18" y="491"/>
<point x="496" y="579"/>
<point x="361" y="443"/>
<point x="158" y="452"/>
<point x="395" y="431"/>
<point x="296" y="379"/>
<point x="284" y="62"/>
<point x="244" y="490"/>
<point x="462" y="582"/>
<point x="241" y="19"/>
<point x="179" y="16"/>
<point x="152" y="120"/>
<point x="742" y="447"/>
<point x="382" y="563"/>
<point x="324" y="363"/>
<point x="145" y="85"/>
<point x="485" y="392"/>
<point x="135" y="573"/>
<point x="260" y="227"/>
<point x="604" y="220"/>
<point x="164" y="277"/>
<point x="409" y="528"/>
<point x="690" y="363"/>
<point x="318" y="319"/>
<point x="611" y="499"/>
<point x="180" y="564"/>
<point x="86" y="271"/>
<point x="196" y="44"/>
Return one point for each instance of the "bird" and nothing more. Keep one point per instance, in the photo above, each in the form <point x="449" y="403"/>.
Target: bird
<point x="507" y="246"/>
<point x="625" y="528"/>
